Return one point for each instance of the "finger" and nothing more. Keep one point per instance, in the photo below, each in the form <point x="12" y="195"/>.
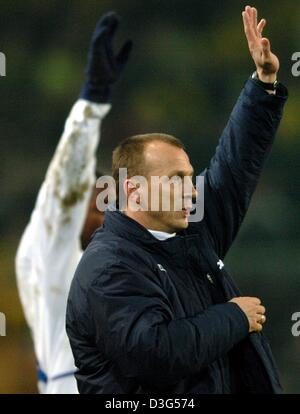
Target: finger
<point x="258" y="327"/>
<point x="256" y="301"/>
<point x="260" y="27"/>
<point x="107" y="25"/>
<point x="108" y="19"/>
<point x="103" y="27"/>
<point x="262" y="319"/>
<point x="124" y="53"/>
<point x="113" y="24"/>
<point x="254" y="20"/>
<point x="248" y="30"/>
<point x="266" y="48"/>
<point x="261" y="310"/>
<point x="249" y="12"/>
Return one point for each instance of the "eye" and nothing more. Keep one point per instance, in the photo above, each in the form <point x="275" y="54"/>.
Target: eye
<point x="175" y="178"/>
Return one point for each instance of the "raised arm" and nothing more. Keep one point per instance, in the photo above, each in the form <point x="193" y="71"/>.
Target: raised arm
<point x="245" y="143"/>
<point x="71" y="174"/>
<point x="50" y="246"/>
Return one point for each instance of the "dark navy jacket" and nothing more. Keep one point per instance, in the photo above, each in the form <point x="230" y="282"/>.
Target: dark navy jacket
<point x="150" y="316"/>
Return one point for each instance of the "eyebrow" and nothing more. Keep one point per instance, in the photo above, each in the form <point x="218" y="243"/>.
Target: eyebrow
<point x="181" y="173"/>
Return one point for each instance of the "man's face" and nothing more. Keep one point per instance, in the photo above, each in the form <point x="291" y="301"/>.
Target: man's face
<point x="162" y="159"/>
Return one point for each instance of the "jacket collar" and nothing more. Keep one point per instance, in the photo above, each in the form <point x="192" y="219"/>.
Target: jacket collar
<point x="123" y="226"/>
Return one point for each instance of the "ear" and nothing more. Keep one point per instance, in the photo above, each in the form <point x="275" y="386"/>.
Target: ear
<point x="131" y="189"/>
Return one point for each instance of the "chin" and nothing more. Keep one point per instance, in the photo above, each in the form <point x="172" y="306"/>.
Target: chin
<point x="179" y="224"/>
<point x="170" y="222"/>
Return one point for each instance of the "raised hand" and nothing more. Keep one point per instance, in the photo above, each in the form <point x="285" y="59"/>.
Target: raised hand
<point x="267" y="64"/>
<point x="103" y="66"/>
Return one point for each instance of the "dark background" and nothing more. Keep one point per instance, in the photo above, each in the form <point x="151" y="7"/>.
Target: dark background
<point x="189" y="63"/>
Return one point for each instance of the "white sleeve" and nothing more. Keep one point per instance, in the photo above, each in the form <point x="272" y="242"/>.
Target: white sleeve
<point x="49" y="250"/>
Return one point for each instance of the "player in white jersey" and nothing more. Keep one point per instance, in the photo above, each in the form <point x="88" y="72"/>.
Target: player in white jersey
<point x="65" y="216"/>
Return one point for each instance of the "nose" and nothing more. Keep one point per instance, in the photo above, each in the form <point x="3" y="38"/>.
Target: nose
<point x="194" y="193"/>
<point x="190" y="192"/>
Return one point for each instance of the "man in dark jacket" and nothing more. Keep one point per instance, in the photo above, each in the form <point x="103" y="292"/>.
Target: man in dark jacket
<point x="152" y="308"/>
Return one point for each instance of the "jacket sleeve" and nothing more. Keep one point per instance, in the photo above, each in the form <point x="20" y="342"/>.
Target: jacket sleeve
<point x="233" y="173"/>
<point x="136" y="329"/>
<point x="49" y="248"/>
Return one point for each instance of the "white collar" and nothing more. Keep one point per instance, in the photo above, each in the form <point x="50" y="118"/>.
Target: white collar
<point x="161" y="235"/>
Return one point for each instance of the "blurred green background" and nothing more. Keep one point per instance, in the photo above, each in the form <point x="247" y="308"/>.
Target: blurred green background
<point x="189" y="63"/>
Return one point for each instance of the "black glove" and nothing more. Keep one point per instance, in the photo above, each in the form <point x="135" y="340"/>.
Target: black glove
<point x="103" y="68"/>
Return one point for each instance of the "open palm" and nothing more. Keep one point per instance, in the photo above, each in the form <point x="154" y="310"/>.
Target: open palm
<point x="266" y="62"/>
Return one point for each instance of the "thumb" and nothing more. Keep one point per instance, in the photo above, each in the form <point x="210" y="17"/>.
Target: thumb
<point x="124" y="53"/>
<point x="266" y="47"/>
